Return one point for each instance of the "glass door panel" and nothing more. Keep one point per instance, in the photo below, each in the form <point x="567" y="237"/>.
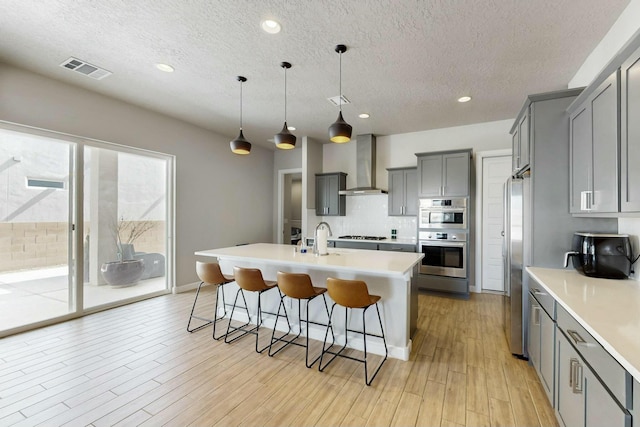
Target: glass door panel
<point x="36" y="192"/>
<point x="125" y="225"/>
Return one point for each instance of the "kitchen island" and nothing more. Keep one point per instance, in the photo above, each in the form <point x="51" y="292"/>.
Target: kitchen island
<point x="388" y="274"/>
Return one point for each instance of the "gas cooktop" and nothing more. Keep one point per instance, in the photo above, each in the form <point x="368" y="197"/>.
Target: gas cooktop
<point x="362" y="237"/>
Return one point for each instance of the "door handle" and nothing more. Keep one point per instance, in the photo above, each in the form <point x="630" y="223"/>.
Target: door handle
<point x="575" y="381"/>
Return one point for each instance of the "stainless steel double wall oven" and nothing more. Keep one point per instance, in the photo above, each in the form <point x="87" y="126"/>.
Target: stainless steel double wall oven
<point x="443" y="230"/>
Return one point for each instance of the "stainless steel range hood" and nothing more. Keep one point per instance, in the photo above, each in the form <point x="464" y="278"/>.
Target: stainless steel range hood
<point x="365" y="167"/>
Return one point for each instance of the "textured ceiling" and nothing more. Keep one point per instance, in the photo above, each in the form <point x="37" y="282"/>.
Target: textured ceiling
<point x="407" y="63"/>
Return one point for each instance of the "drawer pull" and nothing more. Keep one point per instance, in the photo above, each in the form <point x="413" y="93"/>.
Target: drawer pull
<point x="575" y="336"/>
<point x="537" y="291"/>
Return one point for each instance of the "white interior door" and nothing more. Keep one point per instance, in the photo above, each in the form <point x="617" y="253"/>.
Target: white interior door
<point x="495" y="171"/>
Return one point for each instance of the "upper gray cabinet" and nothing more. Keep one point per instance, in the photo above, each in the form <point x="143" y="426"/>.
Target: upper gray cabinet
<point x="630" y="133"/>
<point x="444" y="174"/>
<point x="403" y="191"/>
<point x="328" y="200"/>
<point x="520" y="144"/>
<point x="594" y="151"/>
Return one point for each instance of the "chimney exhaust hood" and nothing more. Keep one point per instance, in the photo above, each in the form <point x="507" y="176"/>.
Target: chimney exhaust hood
<point x="365" y="167"/>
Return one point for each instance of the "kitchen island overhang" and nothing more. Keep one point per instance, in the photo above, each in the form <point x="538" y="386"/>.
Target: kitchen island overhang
<point x="388" y="274"/>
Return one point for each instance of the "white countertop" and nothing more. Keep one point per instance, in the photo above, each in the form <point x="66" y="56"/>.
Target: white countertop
<point x="608" y="309"/>
<point x="382" y="263"/>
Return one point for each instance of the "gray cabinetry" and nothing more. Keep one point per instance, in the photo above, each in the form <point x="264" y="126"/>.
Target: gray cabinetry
<point x="582" y="398"/>
<point x="328" y="200"/>
<point x="356" y="245"/>
<point x="630" y="133"/>
<point x="520" y="144"/>
<point x="396" y="247"/>
<point x="593" y="389"/>
<point x="542" y="332"/>
<point x="444" y="174"/>
<point x="594" y="151"/>
<point x="403" y="191"/>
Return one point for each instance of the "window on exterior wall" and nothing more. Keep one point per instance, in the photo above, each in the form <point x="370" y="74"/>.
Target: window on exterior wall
<point x="45" y="183"/>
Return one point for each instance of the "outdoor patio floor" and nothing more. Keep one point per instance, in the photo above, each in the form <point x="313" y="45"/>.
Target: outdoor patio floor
<point x="34" y="295"/>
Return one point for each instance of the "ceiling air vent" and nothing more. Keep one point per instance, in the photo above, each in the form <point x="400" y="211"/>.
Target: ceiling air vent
<point x="335" y="101"/>
<point x="85" y="68"/>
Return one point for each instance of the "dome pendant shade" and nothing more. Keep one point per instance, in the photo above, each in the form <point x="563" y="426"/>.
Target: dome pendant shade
<point x="240" y="145"/>
<point x="285" y="139"/>
<point x="340" y="131"/>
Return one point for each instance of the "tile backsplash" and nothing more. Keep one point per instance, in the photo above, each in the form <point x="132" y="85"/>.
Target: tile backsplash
<point x="369" y="215"/>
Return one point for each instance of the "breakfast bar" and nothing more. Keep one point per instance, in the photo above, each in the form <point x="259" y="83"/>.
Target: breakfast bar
<point x="387" y="274"/>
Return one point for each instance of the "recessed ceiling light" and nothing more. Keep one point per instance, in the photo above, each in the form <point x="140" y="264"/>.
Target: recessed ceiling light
<point x="270" y="26"/>
<point x="464" y="99"/>
<point x="363" y="115"/>
<point x="291" y="127"/>
<point x="165" y="67"/>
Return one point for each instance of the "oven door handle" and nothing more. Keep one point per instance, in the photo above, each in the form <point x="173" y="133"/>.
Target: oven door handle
<point x="446" y="243"/>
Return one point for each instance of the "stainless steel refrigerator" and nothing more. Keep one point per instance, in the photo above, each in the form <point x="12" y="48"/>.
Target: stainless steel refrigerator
<point x="514" y="308"/>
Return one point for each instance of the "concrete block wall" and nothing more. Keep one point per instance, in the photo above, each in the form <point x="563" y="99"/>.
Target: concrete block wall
<point x="30" y="245"/>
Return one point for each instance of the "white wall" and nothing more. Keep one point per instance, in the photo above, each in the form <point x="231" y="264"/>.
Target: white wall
<point x="622" y="30"/>
<point x="399" y="150"/>
<point x="369" y="214"/>
<point x="221" y="199"/>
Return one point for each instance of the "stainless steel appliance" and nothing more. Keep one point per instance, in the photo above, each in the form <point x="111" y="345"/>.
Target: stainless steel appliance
<point x="445" y="253"/>
<point x="443" y="213"/>
<point x="513" y="250"/>
<point x="607" y="256"/>
<point x="362" y="237"/>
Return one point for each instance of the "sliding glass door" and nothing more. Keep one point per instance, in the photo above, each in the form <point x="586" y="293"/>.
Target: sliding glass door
<point x="36" y="195"/>
<point x="125" y="225"/>
<point x="84" y="225"/>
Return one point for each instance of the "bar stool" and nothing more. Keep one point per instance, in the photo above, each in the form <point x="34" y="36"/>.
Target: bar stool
<point x="210" y="273"/>
<point x="353" y="294"/>
<point x="250" y="280"/>
<point x="298" y="286"/>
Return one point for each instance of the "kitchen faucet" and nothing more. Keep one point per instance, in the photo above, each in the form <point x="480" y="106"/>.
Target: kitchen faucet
<point x="315" y="236"/>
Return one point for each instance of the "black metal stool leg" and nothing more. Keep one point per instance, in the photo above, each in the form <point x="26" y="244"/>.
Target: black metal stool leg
<point x="191" y="316"/>
<point x="232" y="329"/>
<point x="215" y="315"/>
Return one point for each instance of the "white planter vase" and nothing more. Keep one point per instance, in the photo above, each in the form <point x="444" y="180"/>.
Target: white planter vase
<point x="122" y="273"/>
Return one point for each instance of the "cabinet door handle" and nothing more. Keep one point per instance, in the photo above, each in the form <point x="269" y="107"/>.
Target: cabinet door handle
<point x="572" y="366"/>
<point x="536" y="315"/>
<point x="576" y="382"/>
<point x="575" y="336"/>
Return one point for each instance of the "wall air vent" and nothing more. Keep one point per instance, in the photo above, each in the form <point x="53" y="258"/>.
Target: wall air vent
<point x="335" y="101"/>
<point x="85" y="68"/>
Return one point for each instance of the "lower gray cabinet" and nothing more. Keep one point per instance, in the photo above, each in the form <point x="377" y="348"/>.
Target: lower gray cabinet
<point x="357" y="245"/>
<point x="582" y="398"/>
<point x="396" y="247"/>
<point x="570" y="374"/>
<point x="542" y="331"/>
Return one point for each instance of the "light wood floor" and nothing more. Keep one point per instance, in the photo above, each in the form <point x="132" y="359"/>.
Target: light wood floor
<point x="136" y="365"/>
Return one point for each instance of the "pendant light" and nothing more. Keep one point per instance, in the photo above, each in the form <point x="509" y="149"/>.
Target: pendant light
<point x="285" y="140"/>
<point x="240" y="145"/>
<point x="340" y="131"/>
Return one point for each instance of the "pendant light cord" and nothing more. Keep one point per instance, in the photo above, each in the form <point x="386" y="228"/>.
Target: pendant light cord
<point x="340" y="82"/>
<point x="285" y="94"/>
<point x="240" y="104"/>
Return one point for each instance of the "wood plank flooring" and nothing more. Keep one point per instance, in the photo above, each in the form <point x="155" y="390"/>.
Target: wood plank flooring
<point x="136" y="365"/>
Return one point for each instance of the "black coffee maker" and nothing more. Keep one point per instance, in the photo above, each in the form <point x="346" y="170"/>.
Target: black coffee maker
<point x="607" y="256"/>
